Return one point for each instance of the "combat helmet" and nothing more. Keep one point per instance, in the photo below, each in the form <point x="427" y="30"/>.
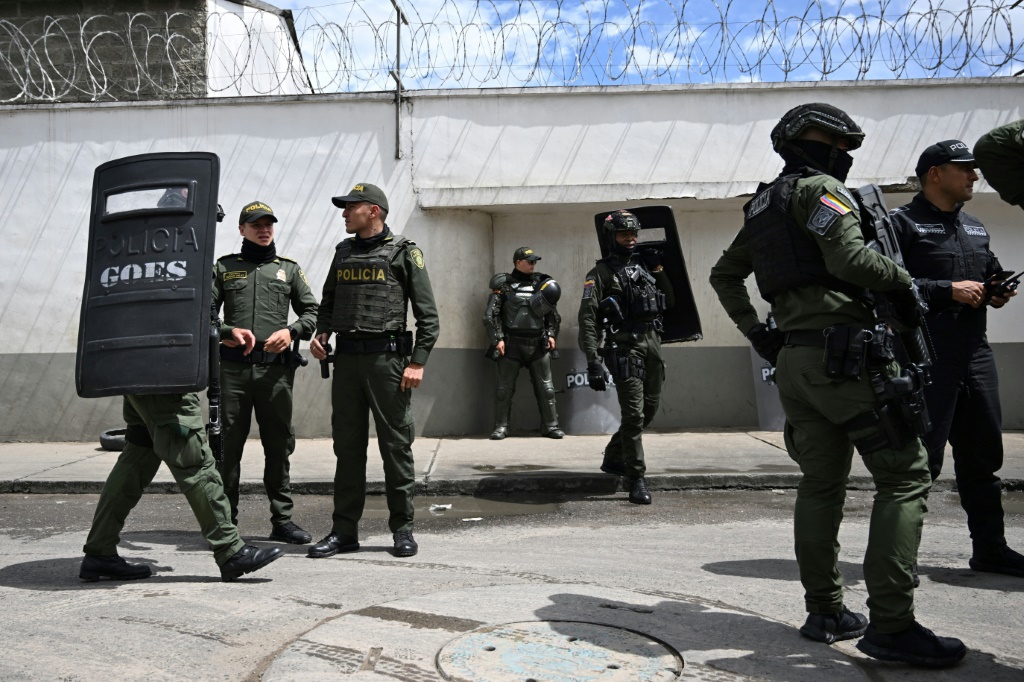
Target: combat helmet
<point x="619" y="221"/>
<point x="816" y="115"/>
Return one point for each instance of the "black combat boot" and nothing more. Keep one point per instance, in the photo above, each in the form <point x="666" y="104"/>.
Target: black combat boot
<point x="333" y="544"/>
<point x="405" y="545"/>
<point x="998" y="559"/>
<point x="113" y="567"/>
<point x="834" y="627"/>
<point x="917" y="645"/>
<point x="246" y="560"/>
<point x="553" y="432"/>
<point x="290" y="533"/>
<point x="499" y="433"/>
<point x="638" y="493"/>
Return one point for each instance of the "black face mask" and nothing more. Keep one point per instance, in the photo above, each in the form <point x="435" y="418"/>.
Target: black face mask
<point x="817" y="155"/>
<point x="251" y="251"/>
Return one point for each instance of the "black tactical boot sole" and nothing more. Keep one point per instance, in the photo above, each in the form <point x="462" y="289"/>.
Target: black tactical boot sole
<point x="95" y="576"/>
<point x="983" y="566"/>
<point x="900" y="655"/>
<point x="231" y="575"/>
<point x="849" y="626"/>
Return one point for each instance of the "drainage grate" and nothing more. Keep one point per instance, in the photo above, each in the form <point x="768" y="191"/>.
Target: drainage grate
<point x="557" y="651"/>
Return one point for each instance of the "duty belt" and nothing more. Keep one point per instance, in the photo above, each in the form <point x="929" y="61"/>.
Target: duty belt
<point x="399" y="343"/>
<point x="805" y="337"/>
<point x="256" y="357"/>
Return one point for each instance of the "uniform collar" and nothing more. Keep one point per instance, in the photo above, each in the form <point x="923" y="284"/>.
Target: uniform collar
<point x="922" y="203"/>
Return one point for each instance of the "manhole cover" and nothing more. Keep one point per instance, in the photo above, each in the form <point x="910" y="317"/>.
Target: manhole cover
<point x="557" y="651"/>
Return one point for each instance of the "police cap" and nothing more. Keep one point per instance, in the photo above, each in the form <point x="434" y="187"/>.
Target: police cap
<point x="363" y="191"/>
<point x="947" y="151"/>
<point x="255" y="210"/>
<point x="525" y="253"/>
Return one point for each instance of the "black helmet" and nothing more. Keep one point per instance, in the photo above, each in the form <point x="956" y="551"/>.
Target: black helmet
<point x="816" y="115"/>
<point x="621" y="221"/>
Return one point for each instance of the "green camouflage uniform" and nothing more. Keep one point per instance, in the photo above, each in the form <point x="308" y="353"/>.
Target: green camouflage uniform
<point x="383" y="276"/>
<point x="168" y="429"/>
<point x="257" y="296"/>
<point x="638" y="398"/>
<point x="816" y="405"/>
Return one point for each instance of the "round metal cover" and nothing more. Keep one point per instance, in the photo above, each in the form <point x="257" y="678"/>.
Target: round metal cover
<point x="557" y="651"/>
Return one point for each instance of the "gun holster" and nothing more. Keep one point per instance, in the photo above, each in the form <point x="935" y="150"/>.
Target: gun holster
<point x="621" y="365"/>
<point x="845" y="351"/>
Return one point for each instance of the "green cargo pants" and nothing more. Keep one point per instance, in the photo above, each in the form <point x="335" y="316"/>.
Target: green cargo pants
<point x="638" y="404"/>
<point x="267" y="389"/>
<point x="815" y="405"/>
<point x="175" y="425"/>
<point x="364" y="384"/>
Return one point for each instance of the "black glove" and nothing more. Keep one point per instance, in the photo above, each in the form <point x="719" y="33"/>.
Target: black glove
<point x="767" y="342"/>
<point x="651" y="258"/>
<point x="596" y="376"/>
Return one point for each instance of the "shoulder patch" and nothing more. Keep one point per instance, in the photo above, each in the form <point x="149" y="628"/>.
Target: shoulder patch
<point x="822" y="219"/>
<point x="588" y="288"/>
<point x="303" y="276"/>
<point x="417" y="257"/>
<point x="835" y="203"/>
<point x="845" y="193"/>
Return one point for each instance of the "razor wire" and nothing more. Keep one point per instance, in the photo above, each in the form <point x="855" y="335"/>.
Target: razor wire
<point x="349" y="46"/>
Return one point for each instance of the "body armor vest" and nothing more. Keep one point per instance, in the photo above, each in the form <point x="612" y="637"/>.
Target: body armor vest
<point x="368" y="298"/>
<point x="784" y="254"/>
<point x="642" y="300"/>
<point x="516" y="313"/>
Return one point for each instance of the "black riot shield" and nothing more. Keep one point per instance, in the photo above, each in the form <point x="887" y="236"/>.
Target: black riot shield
<point x="658" y="232"/>
<point x="148" y="280"/>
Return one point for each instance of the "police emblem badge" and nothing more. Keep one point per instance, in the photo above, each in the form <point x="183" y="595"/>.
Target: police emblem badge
<point x="417" y="257"/>
<point x="282" y="275"/>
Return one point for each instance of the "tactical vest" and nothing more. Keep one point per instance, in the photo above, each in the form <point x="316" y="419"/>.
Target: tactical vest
<point x="642" y="300"/>
<point x="368" y="298"/>
<point x="783" y="252"/>
<point x="516" y="313"/>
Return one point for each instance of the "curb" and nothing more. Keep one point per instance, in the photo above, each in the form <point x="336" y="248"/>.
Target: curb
<point x="504" y="484"/>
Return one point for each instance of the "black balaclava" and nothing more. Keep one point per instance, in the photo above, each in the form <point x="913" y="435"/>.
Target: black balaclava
<point x="618" y="249"/>
<point x="371" y="242"/>
<point x="822" y="156"/>
<point x="519" y="276"/>
<point x="251" y="251"/>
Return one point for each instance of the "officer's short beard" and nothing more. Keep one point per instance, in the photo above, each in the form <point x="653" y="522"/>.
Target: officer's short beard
<point x="820" y="156"/>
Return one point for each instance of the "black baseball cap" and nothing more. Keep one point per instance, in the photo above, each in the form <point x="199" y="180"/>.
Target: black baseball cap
<point x="363" y="191"/>
<point x="255" y="210"/>
<point x="525" y="253"/>
<point x="947" y="151"/>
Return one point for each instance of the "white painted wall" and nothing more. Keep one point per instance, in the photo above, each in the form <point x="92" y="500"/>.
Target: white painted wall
<point x="482" y="173"/>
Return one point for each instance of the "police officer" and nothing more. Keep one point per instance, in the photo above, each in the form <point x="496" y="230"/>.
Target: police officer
<point x="947" y="253"/>
<point x="1000" y="155"/>
<point x="522" y="323"/>
<point x="168" y="429"/>
<point x="802" y="240"/>
<point x="376" y="363"/>
<point x="257" y="286"/>
<point x="623" y="298"/>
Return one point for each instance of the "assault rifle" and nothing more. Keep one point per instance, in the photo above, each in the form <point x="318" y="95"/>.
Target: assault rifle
<point x="903" y="311"/>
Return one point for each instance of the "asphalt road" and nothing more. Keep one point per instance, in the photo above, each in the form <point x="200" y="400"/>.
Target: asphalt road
<point x="707" y="577"/>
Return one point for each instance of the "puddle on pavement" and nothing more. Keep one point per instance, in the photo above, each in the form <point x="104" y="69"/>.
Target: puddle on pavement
<point x="514" y="467"/>
<point x="1013" y="503"/>
<point x="466" y="507"/>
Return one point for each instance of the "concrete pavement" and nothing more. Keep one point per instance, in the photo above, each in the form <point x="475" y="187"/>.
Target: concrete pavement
<point x="688" y="460"/>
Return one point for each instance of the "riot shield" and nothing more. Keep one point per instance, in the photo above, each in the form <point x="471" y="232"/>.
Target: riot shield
<point x="658" y="231"/>
<point x="148" y="281"/>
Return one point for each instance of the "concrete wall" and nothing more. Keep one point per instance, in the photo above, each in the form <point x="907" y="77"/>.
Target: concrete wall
<point x="482" y="173"/>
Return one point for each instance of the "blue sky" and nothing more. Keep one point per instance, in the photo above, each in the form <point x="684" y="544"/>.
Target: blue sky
<point x="467" y="43"/>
